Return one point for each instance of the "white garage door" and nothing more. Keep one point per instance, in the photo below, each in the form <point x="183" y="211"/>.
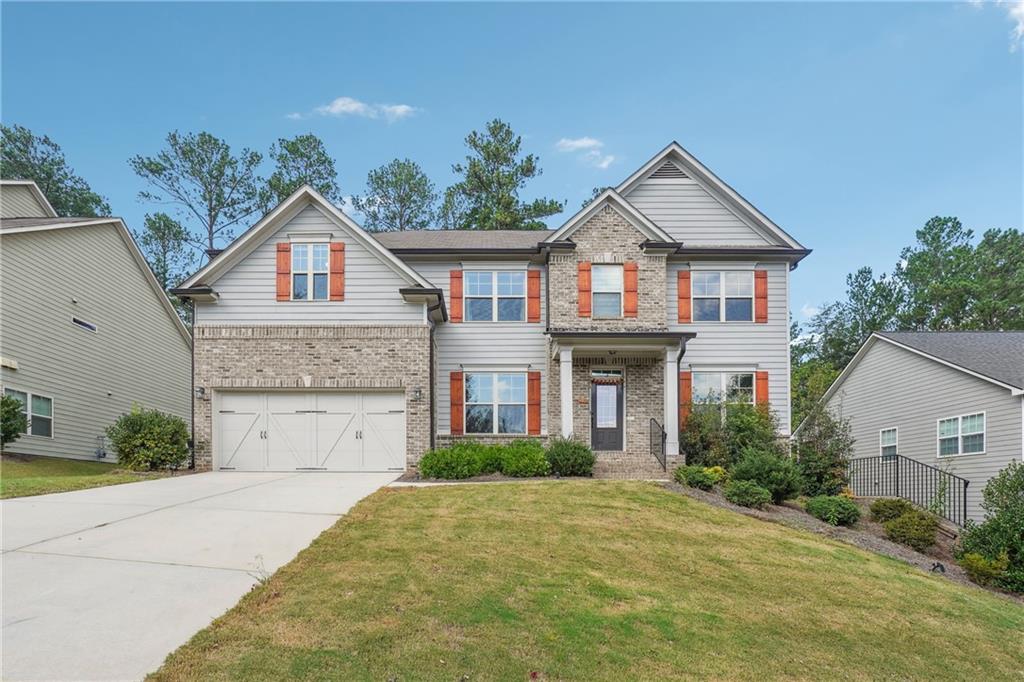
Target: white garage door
<point x="310" y="431"/>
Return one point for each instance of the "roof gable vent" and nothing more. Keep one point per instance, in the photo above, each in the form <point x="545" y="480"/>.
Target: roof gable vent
<point x="669" y="171"/>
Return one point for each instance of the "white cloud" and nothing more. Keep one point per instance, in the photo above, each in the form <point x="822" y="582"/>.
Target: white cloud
<point x="396" y="112"/>
<point x="598" y="160"/>
<point x="340" y="107"/>
<point x="1014" y="12"/>
<point x="567" y="144"/>
<point x="295" y="116"/>
<point x="808" y="310"/>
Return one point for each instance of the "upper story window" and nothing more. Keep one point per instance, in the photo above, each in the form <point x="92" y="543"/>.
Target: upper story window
<point x="310" y="272"/>
<point x="888" y="444"/>
<point x="725" y="296"/>
<point x="495" y="296"/>
<point x="38" y="410"/>
<point x="607" y="291"/>
<point x="962" y="435"/>
<point x="495" y="402"/>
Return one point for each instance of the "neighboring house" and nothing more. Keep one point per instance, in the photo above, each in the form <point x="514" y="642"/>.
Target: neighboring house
<point x="953" y="401"/>
<point x="85" y="330"/>
<point x="321" y="346"/>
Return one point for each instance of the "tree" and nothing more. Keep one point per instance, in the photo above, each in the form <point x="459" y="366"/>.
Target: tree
<point x="997" y="296"/>
<point x="824" y="447"/>
<point x="302" y="160"/>
<point x="24" y="156"/>
<point x="399" y="196"/>
<point x="936" y="275"/>
<point x="492" y="178"/>
<point x="594" y="194"/>
<point x="209" y="185"/>
<point x="454" y="211"/>
<point x="13" y="422"/>
<point x="164" y="242"/>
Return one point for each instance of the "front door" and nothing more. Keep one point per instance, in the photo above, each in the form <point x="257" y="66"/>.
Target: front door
<point x="606" y="410"/>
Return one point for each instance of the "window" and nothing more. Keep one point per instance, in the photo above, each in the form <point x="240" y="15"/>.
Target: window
<point x="310" y="272"/>
<point x="723" y="296"/>
<point x="606" y="291"/>
<point x="888" y="444"/>
<point x="495" y="296"/>
<point x="717" y="390"/>
<point x="495" y="402"/>
<point x="962" y="435"/>
<point x="88" y="326"/>
<point x="38" y="410"/>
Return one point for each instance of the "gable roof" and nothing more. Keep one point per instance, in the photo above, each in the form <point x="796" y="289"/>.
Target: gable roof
<point x="13" y="226"/>
<point x="997" y="356"/>
<point x="610" y="197"/>
<point x="711" y="183"/>
<point x="448" y="240"/>
<point x="305" y="196"/>
<point x="37" y="193"/>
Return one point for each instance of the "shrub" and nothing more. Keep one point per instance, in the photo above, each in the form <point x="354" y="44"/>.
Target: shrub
<point x="489" y="457"/>
<point x="984" y="571"/>
<point x="702" y="438"/>
<point x="833" y="509"/>
<point x="777" y="474"/>
<point x="695" y="477"/>
<point x="462" y="460"/>
<point x="887" y="509"/>
<point x="569" y="457"/>
<point x="13" y="422"/>
<point x="747" y="494"/>
<point x="149" y="439"/>
<point x="1002" y="531"/>
<point x="915" y="529"/>
<point x="718" y="473"/>
<point x="523" y="458"/>
<point x="751" y="427"/>
<point x="824" y="446"/>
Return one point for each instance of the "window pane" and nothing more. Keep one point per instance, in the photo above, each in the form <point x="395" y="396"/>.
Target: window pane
<point x="478" y="283"/>
<point x="607" y="278"/>
<point x="512" y="419"/>
<point x="888" y="437"/>
<point x="974" y="443"/>
<point x="42" y="426"/>
<point x="948" y="427"/>
<point x="42" y="406"/>
<point x="974" y="423"/>
<point x="511" y="388"/>
<point x="739" y="309"/>
<point x="888" y="450"/>
<point x="949" y="446"/>
<point x="740" y="388"/>
<point x="511" y="284"/>
<point x="479" y="309"/>
<point x="510" y="309"/>
<point x="18" y="395"/>
<point x="479" y="388"/>
<point x="607" y="305"/>
<point x="606" y="411"/>
<point x="299" y="287"/>
<point x="705" y="310"/>
<point x="707" y="387"/>
<point x="299" y="258"/>
<point x="479" y="419"/>
<point x="320" y="287"/>
<point x="706" y="284"/>
<point x="320" y="252"/>
<point x="739" y="284"/>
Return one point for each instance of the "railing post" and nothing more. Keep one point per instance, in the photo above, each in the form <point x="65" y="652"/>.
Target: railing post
<point x="963" y="519"/>
<point x="899" y="463"/>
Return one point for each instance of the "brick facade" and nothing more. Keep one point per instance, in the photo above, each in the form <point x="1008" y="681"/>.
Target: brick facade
<point x="314" y="357"/>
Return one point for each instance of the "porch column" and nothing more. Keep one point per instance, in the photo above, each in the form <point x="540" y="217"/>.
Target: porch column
<point x="671" y="420"/>
<point x="565" y="366"/>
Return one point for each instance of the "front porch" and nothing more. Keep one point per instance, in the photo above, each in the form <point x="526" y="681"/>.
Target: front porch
<point x="616" y="392"/>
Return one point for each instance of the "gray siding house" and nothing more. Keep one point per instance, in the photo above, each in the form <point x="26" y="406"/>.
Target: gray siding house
<point x="319" y="346"/>
<point x="85" y="330"/>
<point x="951" y="400"/>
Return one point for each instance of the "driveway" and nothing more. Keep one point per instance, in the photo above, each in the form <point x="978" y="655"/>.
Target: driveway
<point x="102" y="584"/>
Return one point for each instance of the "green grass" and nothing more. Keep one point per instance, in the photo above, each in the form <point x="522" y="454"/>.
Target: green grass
<point x="596" y="580"/>
<point x="22" y="476"/>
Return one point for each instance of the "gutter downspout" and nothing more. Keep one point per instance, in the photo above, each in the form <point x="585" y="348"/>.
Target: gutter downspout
<point x="432" y="373"/>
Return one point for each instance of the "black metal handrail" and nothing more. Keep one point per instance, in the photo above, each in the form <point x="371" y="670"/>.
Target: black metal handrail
<point x="658" y="437"/>
<point x="936" y="490"/>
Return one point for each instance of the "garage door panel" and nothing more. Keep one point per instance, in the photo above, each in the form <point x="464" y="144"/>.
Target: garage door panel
<point x="241" y="446"/>
<point x="383" y="441"/>
<point x="337" y="446"/>
<point x="289" y="441"/>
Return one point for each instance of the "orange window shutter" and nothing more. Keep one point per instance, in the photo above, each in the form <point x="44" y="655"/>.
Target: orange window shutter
<point x="284" y="271"/>
<point x="685" y="396"/>
<point x="533" y="403"/>
<point x="533" y="296"/>
<point x="337" y="266"/>
<point x="455" y="294"/>
<point x="760" y="296"/>
<point x="630" y="288"/>
<point x="761" y="388"/>
<point x="458" y="400"/>
<point x="584" y="286"/>
<point x="684" y="296"/>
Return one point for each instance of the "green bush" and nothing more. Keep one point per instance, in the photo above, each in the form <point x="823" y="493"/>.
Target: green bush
<point x="13" y="422"/>
<point x="523" y="458"/>
<point x="776" y="474"/>
<point x="833" y="509"/>
<point x="149" y="440"/>
<point x="1002" y="531"/>
<point x="569" y="457"/>
<point x="751" y="427"/>
<point x="889" y="508"/>
<point x="702" y="439"/>
<point x="915" y="529"/>
<point x="695" y="477"/>
<point x="462" y="460"/>
<point x="718" y="473"/>
<point x="489" y="457"/>
<point x="824" y="446"/>
<point x="747" y="494"/>
<point x="706" y="441"/>
<point x="984" y="571"/>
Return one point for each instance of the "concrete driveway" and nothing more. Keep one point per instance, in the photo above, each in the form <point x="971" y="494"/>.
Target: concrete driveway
<point x="102" y="584"/>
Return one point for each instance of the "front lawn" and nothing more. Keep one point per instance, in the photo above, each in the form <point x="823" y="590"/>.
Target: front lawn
<point x="594" y="580"/>
<point x="21" y="476"/>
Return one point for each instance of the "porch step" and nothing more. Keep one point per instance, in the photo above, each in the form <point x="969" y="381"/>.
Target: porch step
<point x="630" y="466"/>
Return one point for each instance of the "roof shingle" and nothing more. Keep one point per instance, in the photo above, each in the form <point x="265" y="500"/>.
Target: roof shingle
<point x="462" y="239"/>
<point x="996" y="355"/>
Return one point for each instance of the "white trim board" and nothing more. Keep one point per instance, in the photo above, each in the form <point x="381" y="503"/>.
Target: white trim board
<point x="612" y="198"/>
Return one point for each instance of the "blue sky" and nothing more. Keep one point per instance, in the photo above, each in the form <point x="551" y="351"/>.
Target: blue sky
<point x="848" y="124"/>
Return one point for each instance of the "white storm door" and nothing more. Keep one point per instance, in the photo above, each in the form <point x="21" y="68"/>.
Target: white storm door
<point x="337" y="432"/>
<point x="289" y="432"/>
<point x="383" y="432"/>
<point x="241" y="423"/>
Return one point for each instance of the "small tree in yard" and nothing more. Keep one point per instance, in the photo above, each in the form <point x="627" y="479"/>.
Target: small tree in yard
<point x="13" y="422"/>
<point x="824" y="445"/>
<point x="149" y="439"/>
<point x="1000" y="538"/>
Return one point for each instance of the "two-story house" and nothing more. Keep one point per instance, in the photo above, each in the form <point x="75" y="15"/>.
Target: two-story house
<point x="320" y="346"/>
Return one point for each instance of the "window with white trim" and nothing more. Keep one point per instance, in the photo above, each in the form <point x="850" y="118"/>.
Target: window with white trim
<point x="495" y="402"/>
<point x="494" y="296"/>
<point x="38" y="410"/>
<point x="718" y="390"/>
<point x="725" y="296"/>
<point x="964" y="435"/>
<point x="888" y="444"/>
<point x="606" y="291"/>
<point x="310" y="271"/>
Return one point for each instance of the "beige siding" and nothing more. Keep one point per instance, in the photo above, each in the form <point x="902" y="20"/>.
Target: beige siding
<point x="137" y="356"/>
<point x="18" y="201"/>
<point x="248" y="291"/>
<point x="891" y="387"/>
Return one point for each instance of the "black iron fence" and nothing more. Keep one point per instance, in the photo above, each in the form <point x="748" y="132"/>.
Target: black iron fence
<point x="926" y="486"/>
<point x="658" y="437"/>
